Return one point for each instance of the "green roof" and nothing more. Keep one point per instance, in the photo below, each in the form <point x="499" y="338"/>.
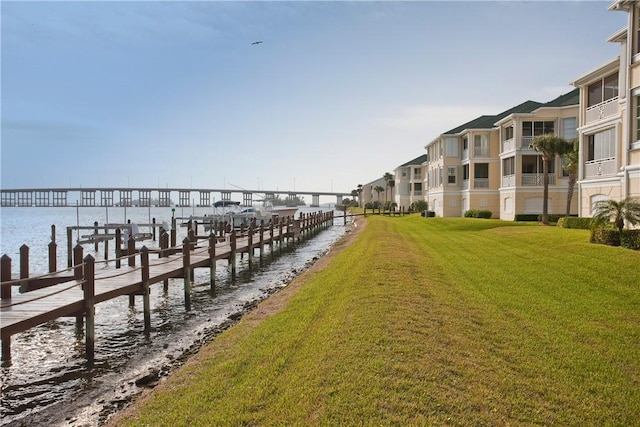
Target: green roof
<point x="417" y="161"/>
<point x="488" y="122"/>
<point x="568" y="99"/>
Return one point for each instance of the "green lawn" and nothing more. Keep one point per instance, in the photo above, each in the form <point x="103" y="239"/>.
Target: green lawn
<point x="432" y="322"/>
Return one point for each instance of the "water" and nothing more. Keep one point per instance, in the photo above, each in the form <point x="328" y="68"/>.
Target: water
<point x="48" y="373"/>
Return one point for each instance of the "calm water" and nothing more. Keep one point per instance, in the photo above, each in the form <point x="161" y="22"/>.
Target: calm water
<point x="48" y="371"/>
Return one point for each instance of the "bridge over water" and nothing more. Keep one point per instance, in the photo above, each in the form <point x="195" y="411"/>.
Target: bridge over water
<point x="138" y="196"/>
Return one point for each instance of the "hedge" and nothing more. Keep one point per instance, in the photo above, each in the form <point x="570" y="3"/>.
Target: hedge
<point x="629" y="239"/>
<point x="478" y="213"/>
<point x="574" y="222"/>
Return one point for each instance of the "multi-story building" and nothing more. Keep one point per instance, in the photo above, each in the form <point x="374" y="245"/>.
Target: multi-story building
<point x="409" y="182"/>
<point x="521" y="181"/>
<point x="609" y="120"/>
<point x="488" y="164"/>
<point x="370" y="194"/>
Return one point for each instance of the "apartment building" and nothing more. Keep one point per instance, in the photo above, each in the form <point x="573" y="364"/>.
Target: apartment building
<point x="409" y="182"/>
<point x="609" y="120"/>
<point x="521" y="180"/>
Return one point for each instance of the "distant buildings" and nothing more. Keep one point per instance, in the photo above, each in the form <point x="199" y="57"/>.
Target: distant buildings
<point x="488" y="164"/>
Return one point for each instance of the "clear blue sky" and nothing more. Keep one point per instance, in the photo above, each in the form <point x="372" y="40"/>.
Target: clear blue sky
<point x="102" y="94"/>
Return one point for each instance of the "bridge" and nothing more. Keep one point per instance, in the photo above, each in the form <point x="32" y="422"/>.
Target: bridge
<point x="161" y="197"/>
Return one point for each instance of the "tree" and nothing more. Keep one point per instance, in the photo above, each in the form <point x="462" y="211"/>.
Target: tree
<point x="359" y="195"/>
<point x="387" y="178"/>
<point x="548" y="145"/>
<point x="571" y="163"/>
<point x="378" y="189"/>
<point x="391" y="183"/>
<point x="354" y="194"/>
<point x="627" y="210"/>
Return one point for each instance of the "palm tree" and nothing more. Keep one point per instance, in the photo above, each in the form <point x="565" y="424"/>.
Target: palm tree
<point x="354" y="194"/>
<point x="387" y="177"/>
<point x="570" y="166"/>
<point x="391" y="183"/>
<point x="548" y="145"/>
<point x="617" y="212"/>
<point x="378" y="189"/>
<point x="359" y="195"/>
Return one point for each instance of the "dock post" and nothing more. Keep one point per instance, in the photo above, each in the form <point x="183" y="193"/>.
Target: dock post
<point x="69" y="247"/>
<point x="89" y="310"/>
<point x="153" y="228"/>
<point x="186" y="267"/>
<point x="131" y="258"/>
<point x="250" y="242"/>
<point x="118" y="247"/>
<point x="144" y="262"/>
<point x="261" y="240"/>
<point x="95" y="236"/>
<point x="53" y="256"/>
<point x="212" y="261"/>
<point x="164" y="244"/>
<point x="5" y="293"/>
<point x="271" y="239"/>
<point x="173" y="231"/>
<point x="280" y="227"/>
<point x="78" y="253"/>
<point x="24" y="267"/>
<point x="232" y="255"/>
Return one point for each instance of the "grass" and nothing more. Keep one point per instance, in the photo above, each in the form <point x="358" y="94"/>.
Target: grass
<point x="431" y="322"/>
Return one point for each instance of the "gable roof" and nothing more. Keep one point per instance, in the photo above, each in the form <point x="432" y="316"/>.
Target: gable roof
<point x="488" y="122"/>
<point x="417" y="161"/>
<point x="568" y="99"/>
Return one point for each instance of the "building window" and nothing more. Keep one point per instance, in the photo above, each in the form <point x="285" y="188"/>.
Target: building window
<point x="508" y="133"/>
<point x="533" y="129"/>
<point x="480" y="146"/>
<point x="451" y="175"/>
<point x="602" y="90"/>
<point x="602" y="145"/>
<point x="465" y="172"/>
<point x="569" y="128"/>
<point x="509" y="166"/>
<point x="533" y="164"/>
<point x="452" y="147"/>
<point x="481" y="170"/>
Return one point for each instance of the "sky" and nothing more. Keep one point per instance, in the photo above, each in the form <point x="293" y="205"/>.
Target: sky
<point x="176" y="95"/>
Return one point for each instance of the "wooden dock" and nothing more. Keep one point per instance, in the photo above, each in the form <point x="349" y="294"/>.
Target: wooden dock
<point x="73" y="292"/>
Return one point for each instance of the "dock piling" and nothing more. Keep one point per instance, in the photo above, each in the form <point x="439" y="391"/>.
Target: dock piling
<point x="5" y="293"/>
<point x="146" y="304"/>
<point x="89" y="309"/>
<point x="186" y="266"/>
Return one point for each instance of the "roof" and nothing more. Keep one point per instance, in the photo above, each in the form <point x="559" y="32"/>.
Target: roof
<point x="571" y="98"/>
<point x="488" y="122"/>
<point x="417" y="161"/>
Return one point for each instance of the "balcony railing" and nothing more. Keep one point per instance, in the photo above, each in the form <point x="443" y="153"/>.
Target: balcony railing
<point x="465" y="154"/>
<point x="508" y="145"/>
<point x="509" y="181"/>
<point x="417" y="192"/>
<point x="481" y="183"/>
<point x="525" y="142"/>
<point x="598" y="168"/>
<point x="417" y="177"/>
<point x="533" y="179"/>
<point x="481" y="152"/>
<point x="601" y="111"/>
<point x="465" y="184"/>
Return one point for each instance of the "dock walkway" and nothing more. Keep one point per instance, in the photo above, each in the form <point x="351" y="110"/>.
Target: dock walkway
<point x="81" y="287"/>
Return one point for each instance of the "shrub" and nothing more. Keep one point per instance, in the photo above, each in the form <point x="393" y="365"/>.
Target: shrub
<point x="419" y="206"/>
<point x="552" y="218"/>
<point x="526" y="217"/>
<point x="478" y="213"/>
<point x="575" y="222"/>
<point x="605" y="236"/>
<point x="630" y="239"/>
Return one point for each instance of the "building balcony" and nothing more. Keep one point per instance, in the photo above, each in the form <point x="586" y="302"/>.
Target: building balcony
<point x="417" y="192"/>
<point x="465" y="154"/>
<point x="602" y="110"/>
<point x="600" y="168"/>
<point x="508" y="145"/>
<point x="481" y="183"/>
<point x="537" y="179"/>
<point x="481" y="152"/>
<point x="509" y="181"/>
